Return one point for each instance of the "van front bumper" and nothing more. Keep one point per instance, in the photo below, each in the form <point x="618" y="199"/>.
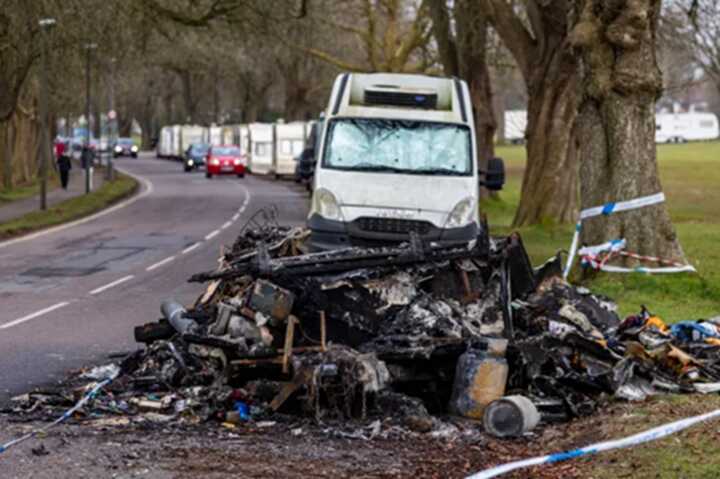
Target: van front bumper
<point x="330" y="234"/>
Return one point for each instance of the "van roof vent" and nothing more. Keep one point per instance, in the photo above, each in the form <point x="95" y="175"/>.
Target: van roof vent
<point x="391" y="95"/>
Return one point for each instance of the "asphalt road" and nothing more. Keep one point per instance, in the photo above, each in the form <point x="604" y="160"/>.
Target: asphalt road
<point x="68" y="298"/>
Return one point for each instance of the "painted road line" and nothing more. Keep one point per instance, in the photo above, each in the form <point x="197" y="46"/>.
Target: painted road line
<point x="226" y="225"/>
<point x="212" y="235"/>
<point x="111" y="285"/>
<point x="236" y="216"/>
<point x="160" y="263"/>
<point x="34" y="315"/>
<point x="190" y="248"/>
<point x="147" y="190"/>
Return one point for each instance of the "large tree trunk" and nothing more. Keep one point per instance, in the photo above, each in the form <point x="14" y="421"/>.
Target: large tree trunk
<point x="617" y="124"/>
<point x="549" y="187"/>
<point x="6" y="150"/>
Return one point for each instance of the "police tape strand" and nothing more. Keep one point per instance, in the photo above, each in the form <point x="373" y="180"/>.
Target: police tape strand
<point x="87" y="397"/>
<point x="608" y="209"/>
<point x="636" y="439"/>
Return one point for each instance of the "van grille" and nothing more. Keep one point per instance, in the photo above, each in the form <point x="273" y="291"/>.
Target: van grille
<point x="391" y="225"/>
<point x="392" y="98"/>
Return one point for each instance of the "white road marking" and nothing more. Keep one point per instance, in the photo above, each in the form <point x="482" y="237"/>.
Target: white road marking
<point x="34" y="315"/>
<point x="212" y="235"/>
<point x="148" y="190"/>
<point x="236" y="216"/>
<point x="191" y="248"/>
<point x="111" y="285"/>
<point x="226" y="225"/>
<point x="160" y="263"/>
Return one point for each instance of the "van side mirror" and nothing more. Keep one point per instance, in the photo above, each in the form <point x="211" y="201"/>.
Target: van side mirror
<point x="494" y="177"/>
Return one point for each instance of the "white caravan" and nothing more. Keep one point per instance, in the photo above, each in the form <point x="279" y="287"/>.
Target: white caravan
<point x="289" y="143"/>
<point x="215" y="136"/>
<point x="190" y="134"/>
<point x="682" y="127"/>
<point x="164" y="146"/>
<point x="515" y="126"/>
<point x="397" y="156"/>
<point x="262" y="138"/>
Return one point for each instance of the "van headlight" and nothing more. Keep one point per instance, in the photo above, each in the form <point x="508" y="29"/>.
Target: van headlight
<point x="462" y="214"/>
<point x="134" y="149"/>
<point x="118" y="149"/>
<point x="326" y="205"/>
<point x="191" y="162"/>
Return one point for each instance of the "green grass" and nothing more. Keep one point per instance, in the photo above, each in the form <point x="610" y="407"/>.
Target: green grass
<point x="71" y="209"/>
<point x="690" y="175"/>
<point x="24" y="191"/>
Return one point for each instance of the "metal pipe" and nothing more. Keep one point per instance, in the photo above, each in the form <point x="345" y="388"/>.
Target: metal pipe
<point x="174" y="312"/>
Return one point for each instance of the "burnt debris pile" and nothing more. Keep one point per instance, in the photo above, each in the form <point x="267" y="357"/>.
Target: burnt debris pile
<point x="406" y="331"/>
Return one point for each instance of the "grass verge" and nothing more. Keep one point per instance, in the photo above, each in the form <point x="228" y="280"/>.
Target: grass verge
<point x="689" y="176"/>
<point x="25" y="191"/>
<point x="72" y="209"/>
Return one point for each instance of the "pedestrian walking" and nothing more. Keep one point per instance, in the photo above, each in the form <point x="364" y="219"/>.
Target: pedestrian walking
<point x="62" y="156"/>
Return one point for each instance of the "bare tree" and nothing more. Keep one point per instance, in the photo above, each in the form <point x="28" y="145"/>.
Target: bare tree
<point x="621" y="82"/>
<point x="537" y="38"/>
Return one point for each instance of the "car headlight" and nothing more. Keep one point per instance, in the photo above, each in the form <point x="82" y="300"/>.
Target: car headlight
<point x="190" y="162"/>
<point x="118" y="149"/>
<point x="215" y="162"/>
<point x="134" y="149"/>
<point x="325" y="204"/>
<point x="237" y="162"/>
<point x="462" y="214"/>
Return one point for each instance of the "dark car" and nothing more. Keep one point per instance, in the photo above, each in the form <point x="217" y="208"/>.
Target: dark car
<point x="305" y="166"/>
<point x="194" y="156"/>
<point x="305" y="162"/>
<point x="125" y="147"/>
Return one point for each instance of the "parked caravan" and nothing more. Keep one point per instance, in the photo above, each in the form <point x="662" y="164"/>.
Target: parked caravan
<point x="215" y="136"/>
<point x="228" y="135"/>
<point x="243" y="139"/>
<point x="515" y="126"/>
<point x="682" y="127"/>
<point x="165" y="142"/>
<point x="190" y="134"/>
<point x="290" y="141"/>
<point x="262" y="138"/>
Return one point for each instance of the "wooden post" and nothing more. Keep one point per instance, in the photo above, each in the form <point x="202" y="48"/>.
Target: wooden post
<point x="289" y="336"/>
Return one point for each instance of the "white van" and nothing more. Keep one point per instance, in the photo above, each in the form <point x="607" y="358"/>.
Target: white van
<point x="682" y="127"/>
<point x="262" y="138"/>
<point x="289" y="144"/>
<point x="397" y="156"/>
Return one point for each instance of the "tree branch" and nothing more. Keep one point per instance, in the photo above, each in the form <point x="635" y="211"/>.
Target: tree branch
<point x="513" y="33"/>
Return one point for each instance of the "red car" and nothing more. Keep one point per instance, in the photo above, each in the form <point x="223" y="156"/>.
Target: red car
<point x="225" y="160"/>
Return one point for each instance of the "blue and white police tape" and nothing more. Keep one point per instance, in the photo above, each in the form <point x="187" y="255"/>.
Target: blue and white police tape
<point x="646" y="436"/>
<point x="87" y="397"/>
<point x="607" y="209"/>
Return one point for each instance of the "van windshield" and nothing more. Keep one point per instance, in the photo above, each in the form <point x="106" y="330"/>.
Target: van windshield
<point x="398" y="146"/>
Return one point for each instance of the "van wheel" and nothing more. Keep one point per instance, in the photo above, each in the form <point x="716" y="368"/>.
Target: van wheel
<point x="277" y="176"/>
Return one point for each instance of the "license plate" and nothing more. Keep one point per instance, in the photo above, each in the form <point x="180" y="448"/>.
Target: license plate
<point x="228" y="168"/>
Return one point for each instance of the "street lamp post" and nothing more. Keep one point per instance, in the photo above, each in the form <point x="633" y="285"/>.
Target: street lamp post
<point x="45" y="149"/>
<point x="112" y="121"/>
<point x="87" y="156"/>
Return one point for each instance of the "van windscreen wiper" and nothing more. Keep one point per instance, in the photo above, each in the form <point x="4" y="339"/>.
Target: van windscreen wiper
<point x="442" y="171"/>
<point x="374" y="167"/>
